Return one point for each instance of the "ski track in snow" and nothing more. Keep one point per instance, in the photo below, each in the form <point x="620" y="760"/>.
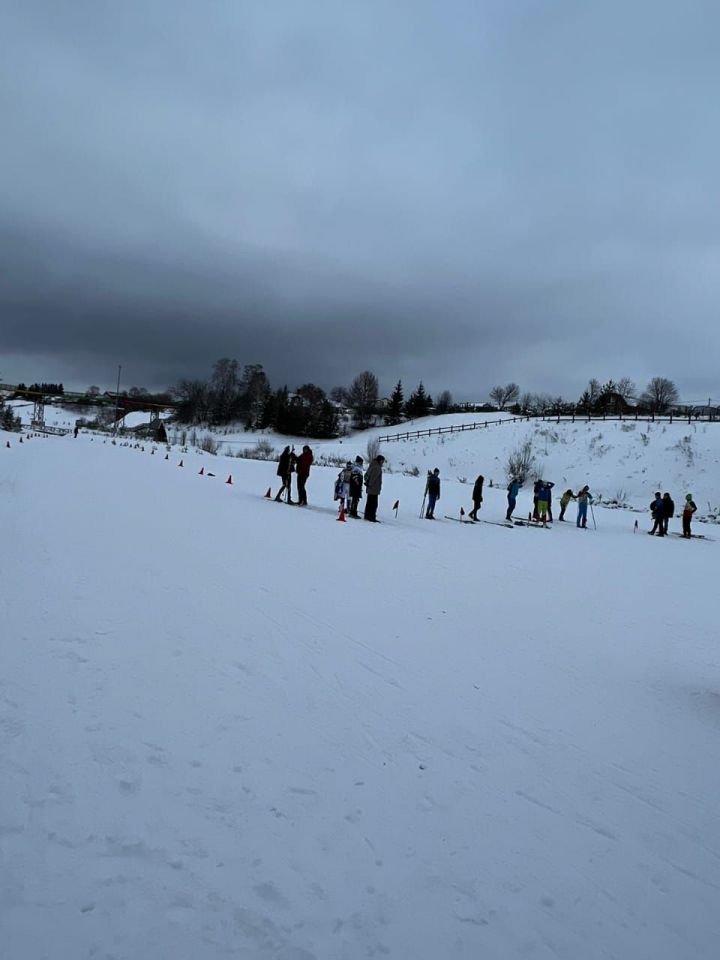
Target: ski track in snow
<point x="228" y="730"/>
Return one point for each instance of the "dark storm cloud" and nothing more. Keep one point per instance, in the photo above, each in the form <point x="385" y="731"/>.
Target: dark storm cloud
<point x="464" y="192"/>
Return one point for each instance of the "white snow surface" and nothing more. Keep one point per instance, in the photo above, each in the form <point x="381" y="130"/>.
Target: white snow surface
<point x="234" y="728"/>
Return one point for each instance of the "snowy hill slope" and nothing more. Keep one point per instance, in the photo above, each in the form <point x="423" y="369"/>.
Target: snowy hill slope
<point x="233" y="728"/>
<point x="625" y="460"/>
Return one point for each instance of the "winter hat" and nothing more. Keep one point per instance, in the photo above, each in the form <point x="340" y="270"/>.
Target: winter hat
<point x="689" y="497"/>
<point x="358" y="459"/>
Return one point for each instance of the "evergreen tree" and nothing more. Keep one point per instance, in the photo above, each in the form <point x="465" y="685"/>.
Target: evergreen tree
<point x="394" y="413"/>
<point x="419" y="403"/>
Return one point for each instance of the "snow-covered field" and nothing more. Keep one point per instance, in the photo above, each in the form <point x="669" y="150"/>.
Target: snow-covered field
<point x="229" y="728"/>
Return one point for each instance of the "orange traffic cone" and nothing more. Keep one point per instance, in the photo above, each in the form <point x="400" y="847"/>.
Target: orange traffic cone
<point x="341" y="515"/>
<point x="181" y="464"/>
<point x="201" y="472"/>
<point x="167" y="456"/>
<point x="229" y="480"/>
<point x="268" y="495"/>
<point x="20" y="439"/>
<point x="8" y="444"/>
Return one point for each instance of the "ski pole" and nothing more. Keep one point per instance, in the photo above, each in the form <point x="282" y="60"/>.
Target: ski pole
<point x="592" y="513"/>
<point x="422" y="508"/>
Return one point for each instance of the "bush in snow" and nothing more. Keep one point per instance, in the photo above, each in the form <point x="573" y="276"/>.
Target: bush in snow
<point x="208" y="444"/>
<point x="520" y="462"/>
<point x="373" y="449"/>
<point x="263" y="450"/>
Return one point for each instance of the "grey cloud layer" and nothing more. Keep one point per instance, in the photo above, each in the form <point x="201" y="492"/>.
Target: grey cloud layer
<point x="464" y="192"/>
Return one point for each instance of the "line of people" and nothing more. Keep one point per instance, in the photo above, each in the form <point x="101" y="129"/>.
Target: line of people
<point x="662" y="509"/>
<point x="349" y="485"/>
<point x="353" y="478"/>
<point x="542" y="502"/>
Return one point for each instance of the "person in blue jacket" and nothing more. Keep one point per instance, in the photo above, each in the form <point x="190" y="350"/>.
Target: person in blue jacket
<point x="583" y="497"/>
<point x="513" y="490"/>
<point x="657" y="508"/>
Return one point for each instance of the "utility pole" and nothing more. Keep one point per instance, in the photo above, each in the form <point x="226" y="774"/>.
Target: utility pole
<point x="117" y="402"/>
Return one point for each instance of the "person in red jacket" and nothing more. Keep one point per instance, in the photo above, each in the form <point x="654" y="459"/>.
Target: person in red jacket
<point x="304" y="462"/>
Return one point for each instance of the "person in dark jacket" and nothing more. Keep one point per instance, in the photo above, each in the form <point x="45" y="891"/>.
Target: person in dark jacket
<point x="284" y="471"/>
<point x="658" y="514"/>
<point x="668" y="511"/>
<point x="304" y="462"/>
<point x="537" y="488"/>
<point x="548" y="498"/>
<point x="373" y="485"/>
<point x="513" y="490"/>
<point x="433" y="493"/>
<point x="543" y="502"/>
<point x="356" y="485"/>
<point x="477" y="497"/>
<point x="689" y="509"/>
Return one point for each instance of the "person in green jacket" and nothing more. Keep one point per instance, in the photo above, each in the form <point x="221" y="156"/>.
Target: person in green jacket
<point x="564" y="501"/>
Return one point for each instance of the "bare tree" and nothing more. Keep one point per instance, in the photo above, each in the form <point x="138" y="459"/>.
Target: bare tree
<point x="444" y="402"/>
<point x="363" y="397"/>
<point x="520" y="462"/>
<point x="659" y="395"/>
<point x="626" y="388"/>
<point x="504" y="396"/>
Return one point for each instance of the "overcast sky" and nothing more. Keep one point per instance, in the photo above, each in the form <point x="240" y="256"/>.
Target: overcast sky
<point x="463" y="191"/>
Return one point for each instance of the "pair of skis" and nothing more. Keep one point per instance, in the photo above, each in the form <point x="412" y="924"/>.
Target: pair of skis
<point x="463" y="519"/>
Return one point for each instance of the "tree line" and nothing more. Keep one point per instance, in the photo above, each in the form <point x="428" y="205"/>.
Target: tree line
<point x="242" y="393"/>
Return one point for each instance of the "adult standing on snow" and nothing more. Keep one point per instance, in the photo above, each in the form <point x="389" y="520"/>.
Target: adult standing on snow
<point x="537" y="487"/>
<point x="356" y="485"/>
<point x="657" y="508"/>
<point x="543" y="499"/>
<point x="564" y="501"/>
<point x="548" y="499"/>
<point x="373" y="485"/>
<point x="583" y="497"/>
<point x="668" y="511"/>
<point x="433" y="493"/>
<point x="513" y="490"/>
<point x="477" y="497"/>
<point x="304" y="462"/>
<point x="284" y="471"/>
<point x="689" y="509"/>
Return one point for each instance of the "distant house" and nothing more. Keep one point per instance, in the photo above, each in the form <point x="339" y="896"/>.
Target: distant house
<point x="706" y="410"/>
<point x="477" y="406"/>
<point x="614" y="404"/>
